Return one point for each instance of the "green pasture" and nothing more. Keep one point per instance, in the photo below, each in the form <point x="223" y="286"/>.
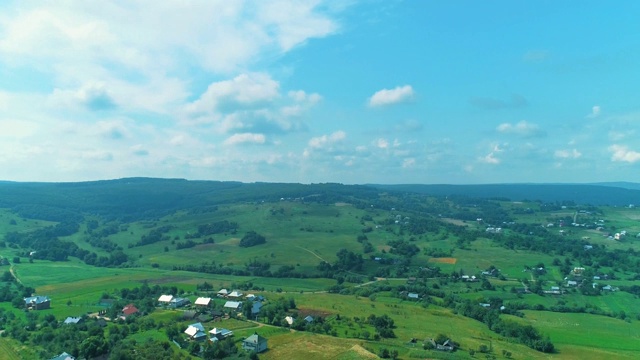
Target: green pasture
<point x="589" y="336"/>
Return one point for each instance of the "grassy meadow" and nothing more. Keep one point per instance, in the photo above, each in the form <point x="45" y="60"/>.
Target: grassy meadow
<point x="302" y="235"/>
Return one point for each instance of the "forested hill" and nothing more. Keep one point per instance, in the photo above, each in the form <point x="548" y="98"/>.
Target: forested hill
<point x="132" y="199"/>
<point x="591" y="194"/>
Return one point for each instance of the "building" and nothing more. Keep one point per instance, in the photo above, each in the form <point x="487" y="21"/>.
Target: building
<point x="37" y="302"/>
<point x="196" y="332"/>
<point x="72" y="320"/>
<point x="179" y="302"/>
<point x="63" y="356"/>
<point x="255" y="343"/>
<point x="165" y="299"/>
<point x="220" y="333"/>
<point x="203" y="302"/>
<point x="233" y="305"/>
<point x="127" y="311"/>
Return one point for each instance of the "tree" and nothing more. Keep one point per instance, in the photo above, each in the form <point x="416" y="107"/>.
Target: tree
<point x="252" y="238"/>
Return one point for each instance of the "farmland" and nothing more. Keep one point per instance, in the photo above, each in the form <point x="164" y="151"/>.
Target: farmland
<point x="432" y="266"/>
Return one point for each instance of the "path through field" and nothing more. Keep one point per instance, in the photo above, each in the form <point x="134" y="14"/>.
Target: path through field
<point x="13" y="273"/>
<point x="312" y="253"/>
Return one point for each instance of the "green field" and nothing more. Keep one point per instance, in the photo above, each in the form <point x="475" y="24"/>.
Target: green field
<point x="300" y="235"/>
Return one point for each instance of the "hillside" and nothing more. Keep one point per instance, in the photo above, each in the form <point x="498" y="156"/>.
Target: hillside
<point x="613" y="194"/>
<point x="375" y="266"/>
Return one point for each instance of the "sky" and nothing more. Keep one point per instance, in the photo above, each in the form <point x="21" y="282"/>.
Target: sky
<point x="313" y="91"/>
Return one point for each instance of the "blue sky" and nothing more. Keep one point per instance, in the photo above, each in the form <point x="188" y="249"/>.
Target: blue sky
<point x="459" y="92"/>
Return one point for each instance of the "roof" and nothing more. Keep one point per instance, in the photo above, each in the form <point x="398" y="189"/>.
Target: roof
<point x="203" y="301"/>
<point x="255" y="308"/>
<point x="413" y="295"/>
<point x="233" y="304"/>
<point x="289" y="320"/>
<point x="223" y="292"/>
<point x="254" y="339"/>
<point x="63" y="356"/>
<point x="221" y="332"/>
<point x="194" y="329"/>
<point x="165" y="298"/>
<point x="235" y="293"/>
<point x="36" y="299"/>
<point x="72" y="320"/>
<point x="309" y="318"/>
<point x="129" y="310"/>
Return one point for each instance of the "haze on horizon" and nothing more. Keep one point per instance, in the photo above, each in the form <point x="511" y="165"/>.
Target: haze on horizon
<point x="320" y="91"/>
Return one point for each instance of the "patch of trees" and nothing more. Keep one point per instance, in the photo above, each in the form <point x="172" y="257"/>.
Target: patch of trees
<point x="155" y="235"/>
<point x="403" y="248"/>
<point x="524" y="334"/>
<point x="252" y="238"/>
<point x="384" y="325"/>
<point x="218" y="227"/>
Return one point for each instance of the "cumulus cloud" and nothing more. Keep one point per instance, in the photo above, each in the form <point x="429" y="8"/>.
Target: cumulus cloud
<point x="515" y="101"/>
<point x="595" y="112"/>
<point x="567" y="154"/>
<point x="245" y="138"/>
<point x="325" y="141"/>
<point x="241" y="91"/>
<point x="491" y="158"/>
<point x="522" y="128"/>
<point x="393" y="96"/>
<point x="382" y="143"/>
<point x="621" y="153"/>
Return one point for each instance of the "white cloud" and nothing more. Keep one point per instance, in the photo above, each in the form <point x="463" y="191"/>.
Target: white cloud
<point x="243" y="90"/>
<point x="567" y="154"/>
<point x="327" y="140"/>
<point x="396" y="95"/>
<point x="522" y="128"/>
<point x="595" y="112"/>
<point x="244" y="138"/>
<point x="622" y="153"/>
<point x="491" y="158"/>
<point x="382" y="143"/>
<point x="408" y="163"/>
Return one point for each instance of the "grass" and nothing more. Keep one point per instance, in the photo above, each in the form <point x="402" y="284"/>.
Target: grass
<point x="13" y="350"/>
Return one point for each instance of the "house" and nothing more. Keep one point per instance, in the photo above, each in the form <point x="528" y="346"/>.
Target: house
<point x="179" y="302"/>
<point x="572" y="283"/>
<point x="445" y="346"/>
<point x="220" y="333"/>
<point x="253" y="297"/>
<point x="255" y="307"/>
<point x="37" y="302"/>
<point x="289" y="320"/>
<point x="72" y="320"/>
<point x="235" y="294"/>
<point x="189" y="315"/>
<point x="254" y="343"/>
<point x="308" y="319"/>
<point x="233" y="305"/>
<point x="165" y="299"/>
<point x="128" y="310"/>
<point x="196" y="332"/>
<point x="413" y="296"/>
<point x="608" y="288"/>
<point x="223" y="293"/>
<point x="63" y="356"/>
<point x="203" y="302"/>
